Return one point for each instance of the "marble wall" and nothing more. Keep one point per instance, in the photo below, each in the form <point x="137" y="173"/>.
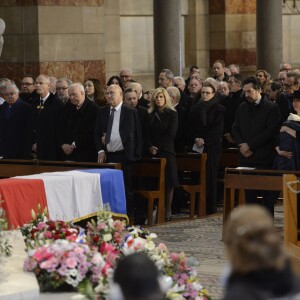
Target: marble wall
<point x="54" y="37"/>
<point x="232" y="32"/>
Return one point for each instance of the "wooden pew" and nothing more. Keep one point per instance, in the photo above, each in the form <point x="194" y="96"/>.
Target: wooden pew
<point x="290" y="203"/>
<point x="17" y="167"/>
<point x="243" y="179"/>
<point x="14" y="167"/>
<point x="59" y="166"/>
<point x="194" y="162"/>
<point x="153" y="169"/>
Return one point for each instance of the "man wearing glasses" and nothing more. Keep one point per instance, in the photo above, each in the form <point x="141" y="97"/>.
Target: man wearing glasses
<point x="28" y="92"/>
<point x="62" y="87"/>
<point x="16" y="125"/>
<point x="285" y="101"/>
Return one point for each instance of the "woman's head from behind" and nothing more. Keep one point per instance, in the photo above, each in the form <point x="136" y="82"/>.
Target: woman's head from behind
<point x="251" y="240"/>
<point x="138" y="278"/>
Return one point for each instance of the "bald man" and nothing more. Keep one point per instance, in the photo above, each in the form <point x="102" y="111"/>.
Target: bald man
<point x="118" y="137"/>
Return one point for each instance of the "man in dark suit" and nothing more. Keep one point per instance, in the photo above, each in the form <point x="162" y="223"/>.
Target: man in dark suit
<point x="180" y="138"/>
<point x="47" y="110"/>
<point x="118" y="137"/>
<point x="131" y="100"/>
<point x="76" y="126"/>
<point x="16" y="125"/>
<point x="28" y="92"/>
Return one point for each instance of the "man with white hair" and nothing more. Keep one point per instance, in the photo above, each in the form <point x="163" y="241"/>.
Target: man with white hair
<point x="16" y="125"/>
<point x="3" y="83"/>
<point x="76" y="127"/>
<point x="139" y="91"/>
<point x="47" y="109"/>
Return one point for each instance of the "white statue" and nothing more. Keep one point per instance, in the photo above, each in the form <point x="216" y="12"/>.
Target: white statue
<point x="2" y="29"/>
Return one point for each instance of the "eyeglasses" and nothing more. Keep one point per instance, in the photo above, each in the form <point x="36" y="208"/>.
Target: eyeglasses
<point x="229" y="81"/>
<point x="9" y="94"/>
<point x="289" y="85"/>
<point x="206" y="93"/>
<point x="61" y="88"/>
<point x="125" y="76"/>
<point x="27" y="83"/>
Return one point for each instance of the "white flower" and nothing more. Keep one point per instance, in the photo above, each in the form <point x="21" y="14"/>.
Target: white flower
<point x="177" y="288"/>
<point x="150" y="246"/>
<point x="107" y="237"/>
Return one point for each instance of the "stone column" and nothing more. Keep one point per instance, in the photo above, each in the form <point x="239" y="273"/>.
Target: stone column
<point x="269" y="35"/>
<point x="167" y="43"/>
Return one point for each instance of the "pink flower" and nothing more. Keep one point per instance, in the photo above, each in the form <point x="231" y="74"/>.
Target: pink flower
<point x="42" y="254"/>
<point x="70" y="262"/>
<point x="41" y="226"/>
<point x="48" y="234"/>
<point x="101" y="226"/>
<point x="29" y="264"/>
<point x="119" y="225"/>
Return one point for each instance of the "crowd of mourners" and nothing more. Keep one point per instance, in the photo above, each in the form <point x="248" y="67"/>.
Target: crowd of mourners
<point x="55" y="119"/>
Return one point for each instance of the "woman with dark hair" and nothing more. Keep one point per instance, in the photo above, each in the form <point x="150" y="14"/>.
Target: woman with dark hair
<point x="136" y="278"/>
<point x="205" y="130"/>
<point x="162" y="130"/>
<point x="95" y="92"/>
<point x="115" y="80"/>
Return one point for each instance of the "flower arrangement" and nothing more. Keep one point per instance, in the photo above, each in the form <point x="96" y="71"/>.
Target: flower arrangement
<point x="5" y="247"/>
<point x="41" y="231"/>
<point x="59" y="258"/>
<point x="64" y="262"/>
<point x="105" y="229"/>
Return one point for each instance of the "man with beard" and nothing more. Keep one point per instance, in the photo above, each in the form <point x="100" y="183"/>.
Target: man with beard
<point x="62" y="88"/>
<point x="256" y="124"/>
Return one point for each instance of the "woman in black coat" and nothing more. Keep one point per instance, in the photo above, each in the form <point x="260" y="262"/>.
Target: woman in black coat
<point x="205" y="132"/>
<point x="160" y="139"/>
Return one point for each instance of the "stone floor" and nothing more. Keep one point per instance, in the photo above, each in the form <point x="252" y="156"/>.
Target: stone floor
<point x="201" y="239"/>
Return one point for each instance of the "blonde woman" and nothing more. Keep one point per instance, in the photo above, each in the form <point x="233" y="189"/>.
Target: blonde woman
<point x="160" y="139"/>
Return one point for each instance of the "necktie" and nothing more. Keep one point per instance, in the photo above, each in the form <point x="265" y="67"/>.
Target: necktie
<point x="109" y="126"/>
